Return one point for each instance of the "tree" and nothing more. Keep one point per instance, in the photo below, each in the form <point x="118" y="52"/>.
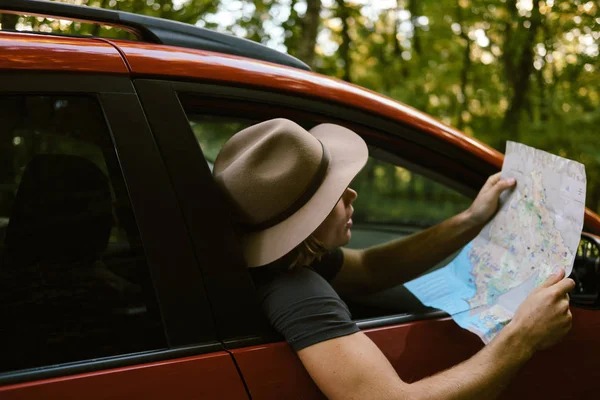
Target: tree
<point x="309" y="29"/>
<point x="520" y="72"/>
<point x="343" y="13"/>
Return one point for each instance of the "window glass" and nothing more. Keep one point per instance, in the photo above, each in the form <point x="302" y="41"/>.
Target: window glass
<point x="74" y="282"/>
<point x="393" y="200"/>
<point x="212" y="132"/>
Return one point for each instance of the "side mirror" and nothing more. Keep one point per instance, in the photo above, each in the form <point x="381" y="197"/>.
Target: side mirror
<point x="586" y="273"/>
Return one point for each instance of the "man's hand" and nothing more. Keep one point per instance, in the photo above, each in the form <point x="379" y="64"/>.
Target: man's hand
<point x="544" y="318"/>
<point x="486" y="203"/>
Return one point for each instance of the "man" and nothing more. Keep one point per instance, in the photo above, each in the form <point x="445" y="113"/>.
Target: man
<point x="289" y="189"/>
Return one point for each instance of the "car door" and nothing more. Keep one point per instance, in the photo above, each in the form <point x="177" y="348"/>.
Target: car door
<point x="191" y="122"/>
<point x="101" y="295"/>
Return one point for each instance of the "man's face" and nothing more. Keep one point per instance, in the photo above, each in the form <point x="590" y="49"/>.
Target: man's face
<point x="335" y="230"/>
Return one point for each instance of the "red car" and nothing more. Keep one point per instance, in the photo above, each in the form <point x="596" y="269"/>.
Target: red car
<point x="120" y="272"/>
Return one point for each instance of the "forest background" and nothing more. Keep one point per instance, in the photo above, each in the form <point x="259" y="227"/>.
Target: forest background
<point x="498" y="70"/>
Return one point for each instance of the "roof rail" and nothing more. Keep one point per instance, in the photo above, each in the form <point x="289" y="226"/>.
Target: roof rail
<point x="156" y="30"/>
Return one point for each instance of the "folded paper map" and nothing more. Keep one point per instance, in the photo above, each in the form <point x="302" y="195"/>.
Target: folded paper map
<point x="535" y="232"/>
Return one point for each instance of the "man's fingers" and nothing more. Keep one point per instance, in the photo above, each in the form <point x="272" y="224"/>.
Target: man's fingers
<point x="565" y="286"/>
<point x="495" y="177"/>
<point x="553" y="279"/>
<point x="502" y="185"/>
<point x="492" y="180"/>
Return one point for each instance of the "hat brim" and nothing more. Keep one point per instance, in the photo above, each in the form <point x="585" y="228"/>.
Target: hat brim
<point x="348" y="155"/>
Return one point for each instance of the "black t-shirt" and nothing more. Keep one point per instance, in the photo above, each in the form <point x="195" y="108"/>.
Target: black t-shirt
<point x="301" y="304"/>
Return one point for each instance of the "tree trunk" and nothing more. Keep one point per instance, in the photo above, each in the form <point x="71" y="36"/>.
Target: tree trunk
<point x="507" y="49"/>
<point x="521" y="78"/>
<point x="310" y="28"/>
<point x="344" y="50"/>
<point x="464" y="73"/>
<point x="413" y="7"/>
<point x="543" y="104"/>
<point x="397" y="47"/>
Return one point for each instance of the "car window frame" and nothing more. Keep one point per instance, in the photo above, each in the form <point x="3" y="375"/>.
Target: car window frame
<point x="155" y="211"/>
<point x="181" y="151"/>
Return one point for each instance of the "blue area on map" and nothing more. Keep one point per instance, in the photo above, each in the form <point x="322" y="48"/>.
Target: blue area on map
<point x="465" y="319"/>
<point x="486" y="327"/>
<point x="449" y="287"/>
<point x="462" y="268"/>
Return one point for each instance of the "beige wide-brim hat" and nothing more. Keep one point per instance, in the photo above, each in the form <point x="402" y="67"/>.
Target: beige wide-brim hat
<point x="283" y="181"/>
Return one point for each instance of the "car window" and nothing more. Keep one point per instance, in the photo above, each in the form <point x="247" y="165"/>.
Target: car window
<point x="395" y="201"/>
<point x="212" y="132"/>
<point x="74" y="281"/>
<point x="392" y="200"/>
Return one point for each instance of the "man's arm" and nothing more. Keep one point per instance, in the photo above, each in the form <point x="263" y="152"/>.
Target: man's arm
<point x="352" y="367"/>
<point x="390" y="264"/>
<point x="398" y="261"/>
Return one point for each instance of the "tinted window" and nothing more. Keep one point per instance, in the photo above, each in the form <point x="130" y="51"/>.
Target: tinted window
<point x="393" y="201"/>
<point x="74" y="282"/>
<point x="212" y="132"/>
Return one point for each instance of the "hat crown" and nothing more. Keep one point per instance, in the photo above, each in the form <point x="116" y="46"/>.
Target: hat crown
<point x="266" y="168"/>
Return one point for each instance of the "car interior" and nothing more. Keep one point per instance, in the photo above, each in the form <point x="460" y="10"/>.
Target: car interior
<point x="71" y="286"/>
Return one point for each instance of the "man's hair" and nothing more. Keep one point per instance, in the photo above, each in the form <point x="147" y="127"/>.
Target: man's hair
<point x="307" y="252"/>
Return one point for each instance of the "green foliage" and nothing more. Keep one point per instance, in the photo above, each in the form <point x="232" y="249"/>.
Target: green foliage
<point x="394" y="195"/>
<point x="497" y="69"/>
<point x="212" y="132"/>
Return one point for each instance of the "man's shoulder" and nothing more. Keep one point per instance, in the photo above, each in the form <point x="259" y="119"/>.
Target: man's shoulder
<point x="329" y="265"/>
<point x="326" y="266"/>
<point x="301" y="304"/>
